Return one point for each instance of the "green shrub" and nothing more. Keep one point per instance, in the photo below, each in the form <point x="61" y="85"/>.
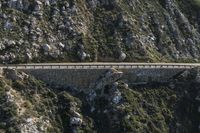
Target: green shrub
<point x="196" y="2"/>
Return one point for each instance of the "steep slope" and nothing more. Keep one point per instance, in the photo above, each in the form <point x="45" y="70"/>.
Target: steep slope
<point x="99" y="30"/>
<point x="27" y="105"/>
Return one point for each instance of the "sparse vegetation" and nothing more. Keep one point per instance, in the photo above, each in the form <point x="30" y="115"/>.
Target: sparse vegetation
<point x="154" y="109"/>
<point x="71" y="31"/>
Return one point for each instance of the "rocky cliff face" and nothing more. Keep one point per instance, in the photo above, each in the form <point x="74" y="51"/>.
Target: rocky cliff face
<point x="27" y="105"/>
<point x="99" y="30"/>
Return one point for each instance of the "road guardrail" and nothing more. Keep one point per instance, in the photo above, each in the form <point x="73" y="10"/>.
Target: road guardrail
<point x="99" y="66"/>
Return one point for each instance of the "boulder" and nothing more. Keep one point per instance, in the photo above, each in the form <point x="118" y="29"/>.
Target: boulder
<point x="75" y="121"/>
<point x="82" y="55"/>
<point x="47" y="47"/>
<point x="47" y="3"/>
<point x="2" y="46"/>
<point x="11" y="43"/>
<point x="7" y="25"/>
<point x="126" y="85"/>
<point x="122" y="56"/>
<point x="117" y="97"/>
<point x="29" y="56"/>
<point x="61" y="45"/>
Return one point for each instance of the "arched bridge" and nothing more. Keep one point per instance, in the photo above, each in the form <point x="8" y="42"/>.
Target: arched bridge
<point x="82" y="75"/>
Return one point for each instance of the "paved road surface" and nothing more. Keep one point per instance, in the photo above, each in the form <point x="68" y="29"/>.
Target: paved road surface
<point x="100" y="65"/>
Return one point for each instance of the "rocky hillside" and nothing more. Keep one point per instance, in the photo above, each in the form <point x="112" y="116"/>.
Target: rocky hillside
<point x="27" y="105"/>
<point x="99" y="30"/>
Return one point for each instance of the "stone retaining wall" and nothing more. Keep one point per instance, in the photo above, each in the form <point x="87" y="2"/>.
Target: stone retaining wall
<point x="83" y="78"/>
